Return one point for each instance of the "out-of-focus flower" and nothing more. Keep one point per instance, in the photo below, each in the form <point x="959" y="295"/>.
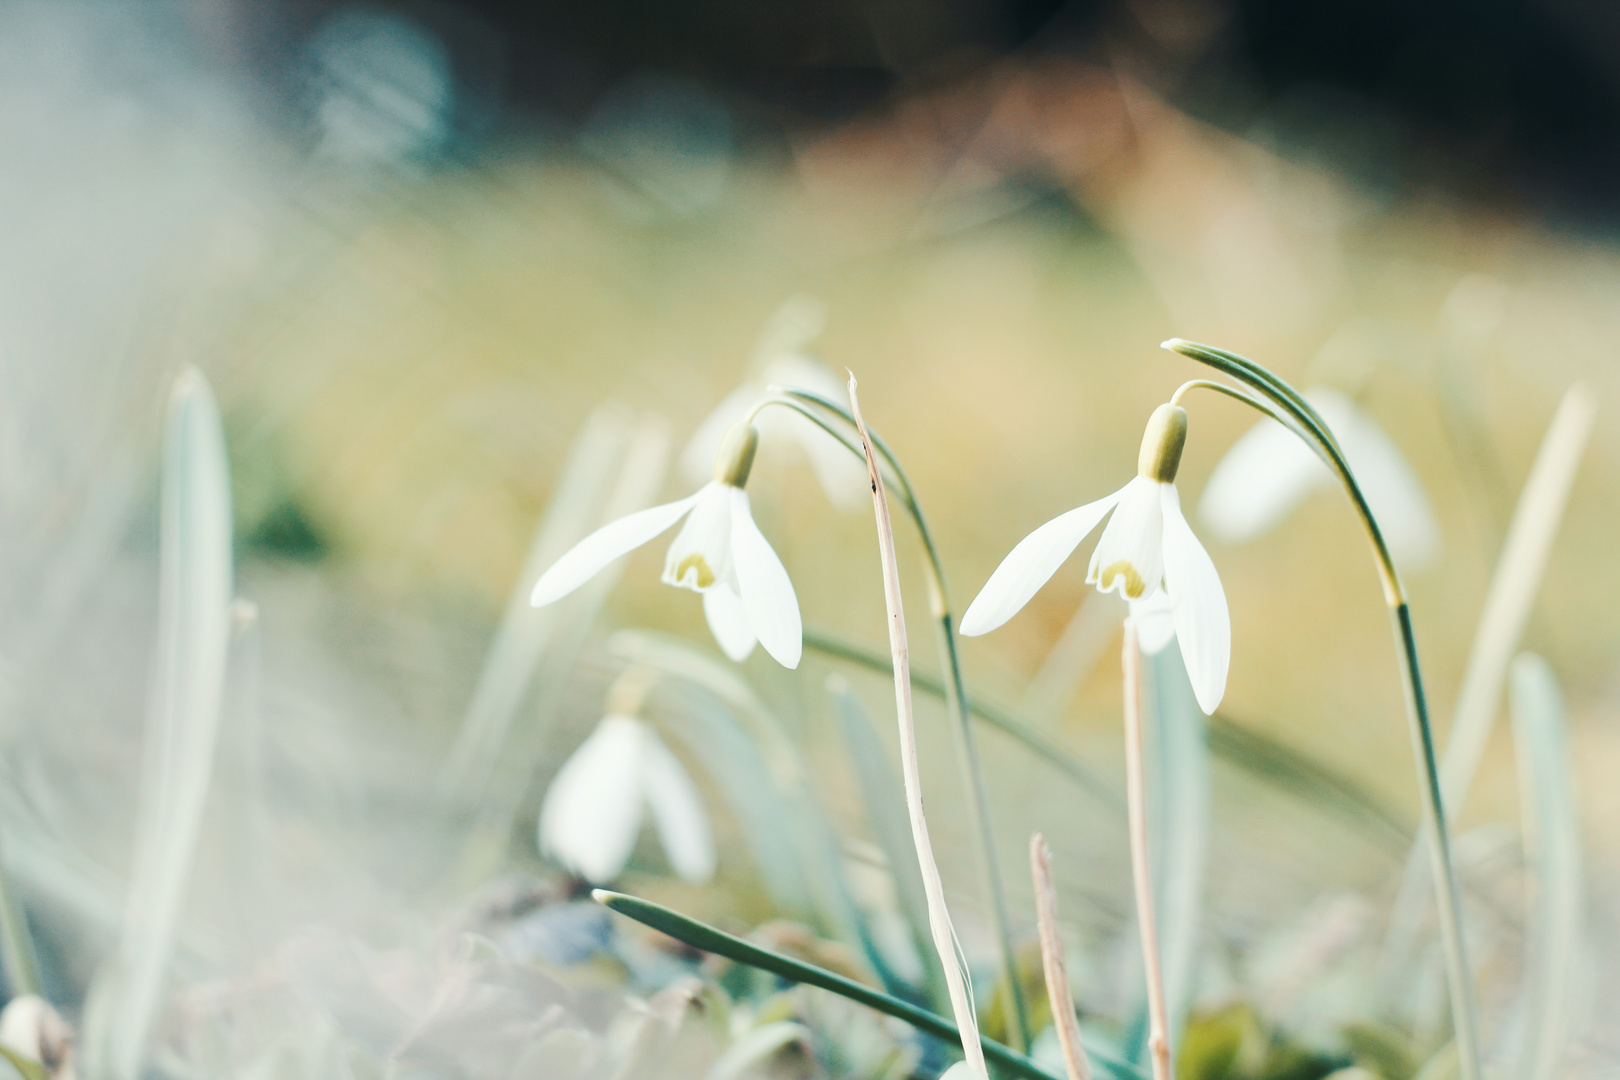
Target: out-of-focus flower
<point x="1147" y="544"/>
<point x="719" y="552"/>
<point x="780" y="360"/>
<point x="32" y="1029"/>
<point x="594" y="808"/>
<point x="1269" y="471"/>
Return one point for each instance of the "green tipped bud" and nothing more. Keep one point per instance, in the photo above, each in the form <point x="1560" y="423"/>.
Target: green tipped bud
<point x="736" y="457"/>
<point x="1166" y="434"/>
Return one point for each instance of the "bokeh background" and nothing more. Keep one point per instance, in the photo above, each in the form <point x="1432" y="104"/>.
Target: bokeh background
<point x="415" y="246"/>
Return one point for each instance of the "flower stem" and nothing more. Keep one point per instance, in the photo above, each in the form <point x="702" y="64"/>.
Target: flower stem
<point x="1315" y="431"/>
<point x="1141" y="871"/>
<point x="1058" y="992"/>
<point x="956" y="692"/>
<point x="939" y="918"/>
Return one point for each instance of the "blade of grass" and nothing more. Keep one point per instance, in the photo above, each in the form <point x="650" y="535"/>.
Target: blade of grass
<point x="957" y="977"/>
<point x="501" y="770"/>
<point x="1513" y="588"/>
<point x="1264" y="757"/>
<point x="1501" y="624"/>
<point x="194" y="593"/>
<point x="1043" y="747"/>
<point x="702" y="936"/>
<point x="524" y="632"/>
<point x="1179" y="768"/>
<point x="1552" y="840"/>
<point x="800" y="835"/>
<point x="886" y="813"/>
<point x="1072" y="657"/>
<point x="16" y="943"/>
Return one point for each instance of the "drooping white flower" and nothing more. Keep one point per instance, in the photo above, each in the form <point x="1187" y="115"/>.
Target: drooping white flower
<point x="780" y="360"/>
<point x="1147" y="554"/>
<point x="719" y="552"/>
<point x="1270" y="471"/>
<point x="595" y="806"/>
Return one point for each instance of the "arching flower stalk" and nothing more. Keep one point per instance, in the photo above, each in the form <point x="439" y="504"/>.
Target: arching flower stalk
<point x="595" y="807"/>
<point x="1147" y="554"/>
<point x="1283" y="402"/>
<point x="719" y="553"/>
<point x="782" y="357"/>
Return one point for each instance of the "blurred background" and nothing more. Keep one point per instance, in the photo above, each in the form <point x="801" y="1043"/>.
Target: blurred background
<point x="435" y="259"/>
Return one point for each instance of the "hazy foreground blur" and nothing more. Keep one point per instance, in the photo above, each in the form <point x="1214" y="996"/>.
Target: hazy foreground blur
<point x="410" y="292"/>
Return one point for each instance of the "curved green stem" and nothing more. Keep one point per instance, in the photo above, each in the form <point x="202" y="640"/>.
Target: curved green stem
<point x="1315" y="430"/>
<point x="705" y="937"/>
<point x="956" y="687"/>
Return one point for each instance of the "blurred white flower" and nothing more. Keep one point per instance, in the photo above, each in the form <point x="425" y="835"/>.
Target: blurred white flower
<point x="1269" y="471"/>
<point x="595" y="806"/>
<point x="1147" y="544"/>
<point x="780" y="360"/>
<point x="719" y="552"/>
<point x="32" y="1029"/>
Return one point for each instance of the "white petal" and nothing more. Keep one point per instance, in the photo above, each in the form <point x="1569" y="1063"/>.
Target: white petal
<point x="697" y="460"/>
<point x="1265" y="474"/>
<point x="1393" y="490"/>
<point x="729" y="621"/>
<point x="1269" y="471"/>
<point x="700" y="554"/>
<point x="767" y="593"/>
<point x="678" y="812"/>
<point x="590" y="555"/>
<point x="1031" y="564"/>
<point x="1203" y="626"/>
<point x="1129" y="557"/>
<point x="842" y="474"/>
<point x="592" y="811"/>
<point x="1155" y="622"/>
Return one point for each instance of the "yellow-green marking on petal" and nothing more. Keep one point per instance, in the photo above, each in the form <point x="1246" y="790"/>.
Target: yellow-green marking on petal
<point x="699" y="566"/>
<point x="1134" y="585"/>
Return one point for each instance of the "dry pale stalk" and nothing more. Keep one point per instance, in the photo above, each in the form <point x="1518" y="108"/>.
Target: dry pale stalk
<point x="1057" y="972"/>
<point x="939" y="919"/>
<point x="1142" y="877"/>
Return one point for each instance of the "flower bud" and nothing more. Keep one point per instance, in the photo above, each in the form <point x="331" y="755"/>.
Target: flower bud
<point x="1166" y="434"/>
<point x="736" y="456"/>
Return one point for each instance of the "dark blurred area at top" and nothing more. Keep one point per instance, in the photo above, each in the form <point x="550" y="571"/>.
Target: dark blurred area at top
<point x="1514" y="103"/>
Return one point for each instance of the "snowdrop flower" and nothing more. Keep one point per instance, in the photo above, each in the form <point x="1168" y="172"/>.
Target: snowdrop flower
<point x="719" y="552"/>
<point x="594" y="808"/>
<point x="1270" y="471"/>
<point x="1148" y="554"/>
<point x="780" y="360"/>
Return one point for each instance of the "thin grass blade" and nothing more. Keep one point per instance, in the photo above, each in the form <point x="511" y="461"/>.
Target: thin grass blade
<point x="702" y="936"/>
<point x="796" y="846"/>
<point x="1513" y="588"/>
<point x="884" y="802"/>
<point x="1512" y="591"/>
<point x="194" y="595"/>
<point x="524" y="632"/>
<point x="1552" y="840"/>
<point x="1179" y="775"/>
<point x="494" y="771"/>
